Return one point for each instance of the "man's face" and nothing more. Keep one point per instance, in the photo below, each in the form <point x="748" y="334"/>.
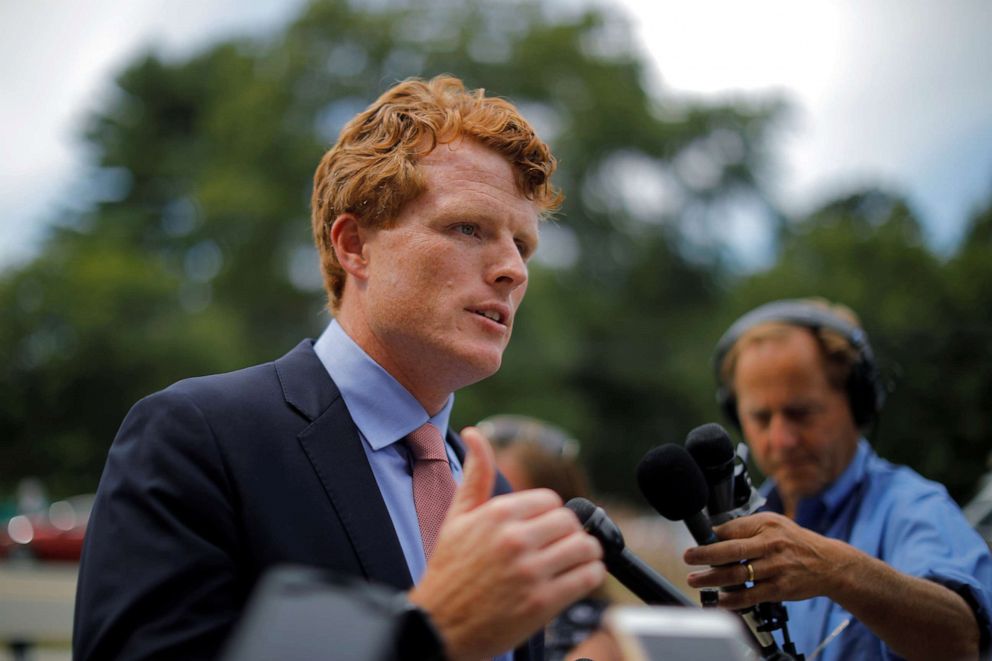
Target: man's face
<point x="799" y="427"/>
<point x="446" y="279"/>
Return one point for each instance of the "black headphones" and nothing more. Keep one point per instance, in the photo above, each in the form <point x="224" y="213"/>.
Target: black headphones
<point x="865" y="390"/>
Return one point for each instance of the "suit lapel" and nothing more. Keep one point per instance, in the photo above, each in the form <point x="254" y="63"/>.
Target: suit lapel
<point x="456" y="443"/>
<point x="334" y="448"/>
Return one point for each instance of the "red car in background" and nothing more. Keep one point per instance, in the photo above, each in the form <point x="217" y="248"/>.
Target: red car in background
<point x="52" y="533"/>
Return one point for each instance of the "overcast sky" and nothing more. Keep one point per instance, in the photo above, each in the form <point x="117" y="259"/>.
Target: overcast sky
<point x="889" y="92"/>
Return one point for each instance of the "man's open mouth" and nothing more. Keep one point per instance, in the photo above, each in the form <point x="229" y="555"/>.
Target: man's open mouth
<point x="490" y="314"/>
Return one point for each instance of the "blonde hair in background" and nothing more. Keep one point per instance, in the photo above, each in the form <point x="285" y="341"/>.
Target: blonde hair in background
<point x="839" y="355"/>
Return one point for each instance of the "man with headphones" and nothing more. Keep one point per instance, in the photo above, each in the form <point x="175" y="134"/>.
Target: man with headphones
<point x="873" y="559"/>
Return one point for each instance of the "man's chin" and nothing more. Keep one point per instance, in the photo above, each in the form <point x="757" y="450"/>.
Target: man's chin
<point x="799" y="484"/>
<point x="480" y="364"/>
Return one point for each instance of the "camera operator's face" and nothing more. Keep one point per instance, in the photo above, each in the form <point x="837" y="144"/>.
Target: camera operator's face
<point x="798" y="425"/>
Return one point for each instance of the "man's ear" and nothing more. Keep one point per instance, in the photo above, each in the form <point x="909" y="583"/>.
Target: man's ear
<point x="348" y="239"/>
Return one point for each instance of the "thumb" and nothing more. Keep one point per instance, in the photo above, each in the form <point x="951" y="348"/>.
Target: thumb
<point x="479" y="473"/>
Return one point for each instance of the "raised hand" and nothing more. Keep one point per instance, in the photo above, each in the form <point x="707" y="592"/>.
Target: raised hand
<point x="503" y="566"/>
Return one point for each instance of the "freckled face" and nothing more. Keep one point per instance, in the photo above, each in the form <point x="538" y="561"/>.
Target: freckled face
<point x="799" y="427"/>
<point x="446" y="279"/>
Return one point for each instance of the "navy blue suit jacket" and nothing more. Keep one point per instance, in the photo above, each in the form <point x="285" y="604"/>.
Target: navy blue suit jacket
<point x="209" y="483"/>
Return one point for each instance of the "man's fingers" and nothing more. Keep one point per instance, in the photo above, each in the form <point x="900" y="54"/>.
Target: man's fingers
<point x="522" y="505"/>
<point x="718" y="577"/>
<point x="742" y="527"/>
<point x="570" y="552"/>
<point x="722" y="553"/>
<point x="578" y="581"/>
<point x="479" y="473"/>
<point x="549" y="527"/>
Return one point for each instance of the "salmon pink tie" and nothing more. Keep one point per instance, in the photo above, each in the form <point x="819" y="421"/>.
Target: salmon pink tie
<point x="433" y="485"/>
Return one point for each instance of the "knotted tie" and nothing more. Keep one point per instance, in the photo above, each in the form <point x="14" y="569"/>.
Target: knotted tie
<point x="433" y="485"/>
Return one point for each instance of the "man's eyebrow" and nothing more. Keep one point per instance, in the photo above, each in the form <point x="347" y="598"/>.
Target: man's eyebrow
<point x="757" y="410"/>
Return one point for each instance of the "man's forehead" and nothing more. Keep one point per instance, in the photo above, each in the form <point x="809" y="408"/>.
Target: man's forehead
<point x="779" y="340"/>
<point x="484" y="175"/>
<point x="787" y="357"/>
<point x="464" y="153"/>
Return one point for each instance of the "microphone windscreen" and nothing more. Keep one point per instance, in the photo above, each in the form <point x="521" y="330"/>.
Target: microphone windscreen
<point x="672" y="482"/>
<point x="582" y="507"/>
<point x="710" y="445"/>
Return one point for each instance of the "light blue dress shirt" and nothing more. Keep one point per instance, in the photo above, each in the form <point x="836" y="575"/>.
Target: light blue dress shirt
<point x="384" y="412"/>
<point x="892" y="513"/>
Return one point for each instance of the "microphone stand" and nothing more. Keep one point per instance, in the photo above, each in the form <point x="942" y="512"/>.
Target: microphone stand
<point x="761" y="620"/>
<point x="775" y="617"/>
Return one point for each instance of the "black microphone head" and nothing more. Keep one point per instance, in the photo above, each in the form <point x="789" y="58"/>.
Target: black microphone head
<point x="582" y="507"/>
<point x="672" y="482"/>
<point x="710" y="445"/>
<point x="598" y="523"/>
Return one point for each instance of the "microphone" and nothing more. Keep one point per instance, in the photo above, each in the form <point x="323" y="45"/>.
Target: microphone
<point x="710" y="447"/>
<point x="675" y="486"/>
<point x="731" y="494"/>
<point x="650" y="586"/>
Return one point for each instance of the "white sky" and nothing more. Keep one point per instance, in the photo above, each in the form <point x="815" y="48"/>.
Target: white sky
<point x="891" y="92"/>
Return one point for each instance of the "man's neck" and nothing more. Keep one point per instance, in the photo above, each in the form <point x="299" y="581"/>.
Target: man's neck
<point x="431" y="396"/>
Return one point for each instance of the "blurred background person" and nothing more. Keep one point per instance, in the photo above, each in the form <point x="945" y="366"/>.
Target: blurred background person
<point x="855" y="544"/>
<point x="533" y="453"/>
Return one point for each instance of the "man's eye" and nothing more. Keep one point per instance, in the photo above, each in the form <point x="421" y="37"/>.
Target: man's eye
<point x="760" y="419"/>
<point x="467" y="229"/>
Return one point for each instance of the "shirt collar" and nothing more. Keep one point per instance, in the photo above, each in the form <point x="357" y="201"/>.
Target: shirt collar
<point x="383" y="410"/>
<point x="837" y="493"/>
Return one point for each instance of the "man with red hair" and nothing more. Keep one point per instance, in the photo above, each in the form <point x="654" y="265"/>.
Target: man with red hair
<point x="338" y="454"/>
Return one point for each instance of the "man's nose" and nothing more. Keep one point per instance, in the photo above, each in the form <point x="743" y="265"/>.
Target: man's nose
<point x="782" y="432"/>
<point x="508" y="268"/>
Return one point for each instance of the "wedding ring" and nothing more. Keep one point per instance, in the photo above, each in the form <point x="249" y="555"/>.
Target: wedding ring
<point x="750" y="572"/>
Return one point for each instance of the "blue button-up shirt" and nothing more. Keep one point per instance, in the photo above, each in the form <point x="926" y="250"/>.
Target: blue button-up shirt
<point x="892" y="513"/>
<point x="384" y="412"/>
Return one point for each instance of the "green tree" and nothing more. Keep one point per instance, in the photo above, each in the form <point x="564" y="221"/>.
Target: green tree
<point x="964" y="388"/>
<point x="194" y="255"/>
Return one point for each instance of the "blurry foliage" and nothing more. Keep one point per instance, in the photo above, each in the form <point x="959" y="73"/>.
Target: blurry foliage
<point x="195" y="254"/>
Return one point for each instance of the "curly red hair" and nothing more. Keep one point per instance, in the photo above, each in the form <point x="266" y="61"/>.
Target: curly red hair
<point x="371" y="172"/>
